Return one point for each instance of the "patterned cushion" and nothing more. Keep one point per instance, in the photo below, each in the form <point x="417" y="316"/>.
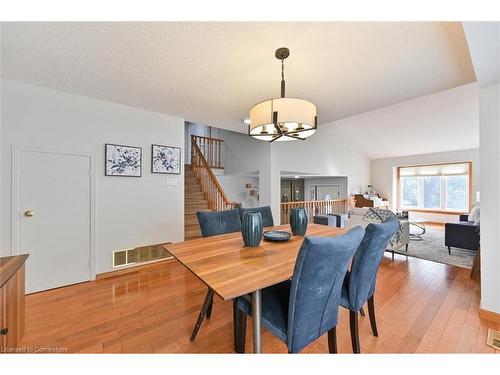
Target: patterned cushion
<point x="380" y="215"/>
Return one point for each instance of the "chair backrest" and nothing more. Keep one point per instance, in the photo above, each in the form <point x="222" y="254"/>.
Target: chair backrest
<point x="316" y="286"/>
<point x="265" y="211"/>
<point x="367" y="260"/>
<point x="213" y="223"/>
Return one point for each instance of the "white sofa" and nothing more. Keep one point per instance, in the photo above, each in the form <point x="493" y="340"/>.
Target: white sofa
<point x="356" y="215"/>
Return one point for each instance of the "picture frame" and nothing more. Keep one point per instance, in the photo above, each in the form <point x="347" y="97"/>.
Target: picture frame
<point x="165" y="159"/>
<point x="122" y="160"/>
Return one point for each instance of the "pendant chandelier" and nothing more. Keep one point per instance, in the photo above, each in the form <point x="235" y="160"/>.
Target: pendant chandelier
<point x="282" y="119"/>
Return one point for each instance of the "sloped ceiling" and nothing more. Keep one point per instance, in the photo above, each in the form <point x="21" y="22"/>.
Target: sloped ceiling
<point x="213" y="72"/>
<point x="445" y="121"/>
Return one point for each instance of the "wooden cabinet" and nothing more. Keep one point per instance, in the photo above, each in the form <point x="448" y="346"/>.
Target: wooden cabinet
<point x="2" y="320"/>
<point x="12" y="273"/>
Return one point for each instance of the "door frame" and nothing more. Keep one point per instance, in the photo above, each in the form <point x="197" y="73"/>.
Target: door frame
<point x="15" y="194"/>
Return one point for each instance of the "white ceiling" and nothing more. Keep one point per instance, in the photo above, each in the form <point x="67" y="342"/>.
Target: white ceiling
<point x="445" y="121"/>
<point x="214" y="72"/>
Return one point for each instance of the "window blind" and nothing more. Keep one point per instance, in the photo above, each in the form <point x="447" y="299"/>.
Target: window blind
<point x="456" y="169"/>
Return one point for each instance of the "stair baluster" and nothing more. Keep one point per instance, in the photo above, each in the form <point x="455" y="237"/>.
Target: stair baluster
<point x="217" y="199"/>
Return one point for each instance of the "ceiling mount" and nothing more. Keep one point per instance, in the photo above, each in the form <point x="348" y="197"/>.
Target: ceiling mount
<point x="282" y="53"/>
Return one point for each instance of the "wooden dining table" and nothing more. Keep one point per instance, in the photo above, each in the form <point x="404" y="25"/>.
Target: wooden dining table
<point x="232" y="270"/>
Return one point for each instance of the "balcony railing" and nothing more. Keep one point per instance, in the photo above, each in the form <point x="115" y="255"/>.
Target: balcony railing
<point x="211" y="148"/>
<point x="334" y="206"/>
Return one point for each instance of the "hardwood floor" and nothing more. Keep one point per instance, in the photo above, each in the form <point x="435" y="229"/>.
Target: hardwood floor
<point x="422" y="307"/>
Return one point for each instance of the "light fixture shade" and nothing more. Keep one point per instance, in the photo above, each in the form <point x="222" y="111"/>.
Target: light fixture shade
<point x="296" y="118"/>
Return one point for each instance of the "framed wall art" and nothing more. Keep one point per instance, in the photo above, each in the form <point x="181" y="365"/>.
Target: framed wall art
<point x="124" y="161"/>
<point x="165" y="159"/>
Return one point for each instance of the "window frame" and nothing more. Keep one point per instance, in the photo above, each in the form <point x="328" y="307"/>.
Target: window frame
<point x="443" y="190"/>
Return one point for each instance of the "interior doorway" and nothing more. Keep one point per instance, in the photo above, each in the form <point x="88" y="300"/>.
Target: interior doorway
<point x="325" y="192"/>
<point x="53" y="216"/>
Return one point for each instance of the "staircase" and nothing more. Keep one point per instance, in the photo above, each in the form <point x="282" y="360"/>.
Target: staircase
<point x="194" y="200"/>
<point x="202" y="191"/>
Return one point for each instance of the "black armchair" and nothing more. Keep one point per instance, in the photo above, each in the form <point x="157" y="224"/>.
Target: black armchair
<point x="464" y="234"/>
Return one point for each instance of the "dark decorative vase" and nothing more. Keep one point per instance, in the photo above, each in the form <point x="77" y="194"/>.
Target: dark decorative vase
<point x="251" y="228"/>
<point x="298" y="221"/>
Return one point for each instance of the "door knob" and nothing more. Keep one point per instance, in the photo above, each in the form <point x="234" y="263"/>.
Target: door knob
<point x="29" y="213"/>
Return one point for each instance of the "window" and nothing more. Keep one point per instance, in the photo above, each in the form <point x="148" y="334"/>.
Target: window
<point x="409" y="191"/>
<point x="432" y="192"/>
<point x="442" y="187"/>
<point x="456" y="193"/>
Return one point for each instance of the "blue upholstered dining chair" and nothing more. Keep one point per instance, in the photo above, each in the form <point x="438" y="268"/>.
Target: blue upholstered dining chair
<point x="265" y="212"/>
<point x="359" y="282"/>
<point x="213" y="223"/>
<point x="300" y="310"/>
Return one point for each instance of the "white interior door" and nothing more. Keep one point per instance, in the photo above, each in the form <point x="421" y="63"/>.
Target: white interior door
<point x="54" y="222"/>
<point x="327" y="192"/>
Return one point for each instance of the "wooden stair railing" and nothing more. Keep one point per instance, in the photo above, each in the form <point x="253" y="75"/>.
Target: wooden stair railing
<point x="217" y="199"/>
<point x="211" y="149"/>
<point x="333" y="206"/>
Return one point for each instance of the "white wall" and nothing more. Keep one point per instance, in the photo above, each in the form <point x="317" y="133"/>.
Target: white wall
<point x="328" y="152"/>
<point x="243" y="154"/>
<point x="1" y="148"/>
<point x="341" y="181"/>
<point x="130" y="211"/>
<point x="383" y="175"/>
<point x="234" y="188"/>
<point x="483" y="39"/>
<point x="489" y="104"/>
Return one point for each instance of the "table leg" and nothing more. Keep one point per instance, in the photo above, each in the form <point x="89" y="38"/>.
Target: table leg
<point x="256" y="315"/>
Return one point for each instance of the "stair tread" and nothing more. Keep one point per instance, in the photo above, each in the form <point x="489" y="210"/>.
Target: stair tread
<point x="193" y="214"/>
<point x="194" y="201"/>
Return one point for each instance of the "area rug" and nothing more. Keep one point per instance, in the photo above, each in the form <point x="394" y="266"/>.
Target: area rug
<point x="431" y="247"/>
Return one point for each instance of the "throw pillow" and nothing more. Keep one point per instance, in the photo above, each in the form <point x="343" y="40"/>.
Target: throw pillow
<point x="379" y="215"/>
<point x="474" y="214"/>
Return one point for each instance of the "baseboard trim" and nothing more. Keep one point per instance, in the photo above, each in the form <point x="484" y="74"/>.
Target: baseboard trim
<point x="132" y="269"/>
<point x="489" y="315"/>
